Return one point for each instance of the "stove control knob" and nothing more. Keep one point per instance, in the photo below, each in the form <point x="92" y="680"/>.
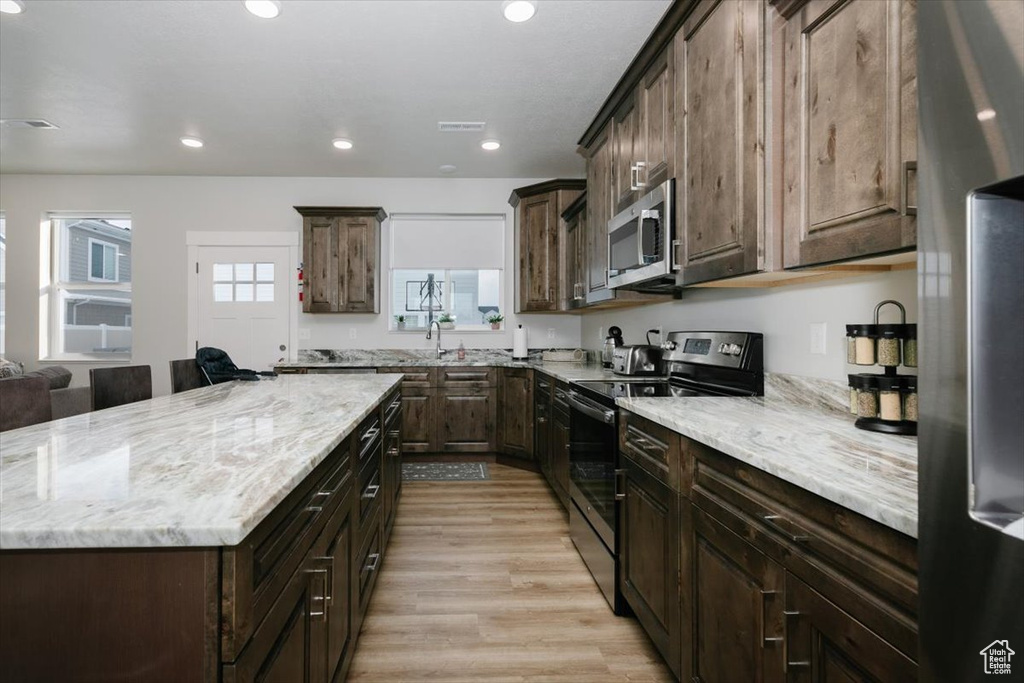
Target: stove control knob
<point x="669" y="345"/>
<point x="723" y="349"/>
<point x="735" y="349"/>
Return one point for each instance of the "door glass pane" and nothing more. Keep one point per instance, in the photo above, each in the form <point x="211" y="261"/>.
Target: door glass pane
<point x="243" y="291"/>
<point x="243" y="271"/>
<point x="264" y="292"/>
<point x="222" y="292"/>
<point x="265" y="272"/>
<point x="223" y="272"/>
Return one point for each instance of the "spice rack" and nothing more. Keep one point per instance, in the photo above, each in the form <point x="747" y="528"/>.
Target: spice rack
<point x="887" y="402"/>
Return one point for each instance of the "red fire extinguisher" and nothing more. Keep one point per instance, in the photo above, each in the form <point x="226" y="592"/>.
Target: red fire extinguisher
<point x="301" y="283"/>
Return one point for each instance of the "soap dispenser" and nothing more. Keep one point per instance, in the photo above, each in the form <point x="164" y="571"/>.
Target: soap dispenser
<point x="462" y="350"/>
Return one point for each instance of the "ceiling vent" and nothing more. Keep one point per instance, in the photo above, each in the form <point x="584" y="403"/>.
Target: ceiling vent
<point x="460" y="126"/>
<point x="28" y="123"/>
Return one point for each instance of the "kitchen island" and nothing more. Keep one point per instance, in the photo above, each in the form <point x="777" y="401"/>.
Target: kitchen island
<point x="209" y="535"/>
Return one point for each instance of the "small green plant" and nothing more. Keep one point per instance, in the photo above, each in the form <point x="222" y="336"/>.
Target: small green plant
<point x="446" y="317"/>
<point x="400" y="319"/>
<point x="495" y="317"/>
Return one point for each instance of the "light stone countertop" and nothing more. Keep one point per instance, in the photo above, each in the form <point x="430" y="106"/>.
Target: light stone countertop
<point x="818" y="450"/>
<point x="199" y="468"/>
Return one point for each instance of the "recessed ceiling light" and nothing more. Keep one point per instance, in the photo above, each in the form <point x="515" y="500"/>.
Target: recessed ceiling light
<point x="490" y="145"/>
<point x="12" y="6"/>
<point x="264" y="9"/>
<point x="189" y="141"/>
<point x="447" y="168"/>
<point x="342" y="143"/>
<point x="519" y="10"/>
<point x="986" y="114"/>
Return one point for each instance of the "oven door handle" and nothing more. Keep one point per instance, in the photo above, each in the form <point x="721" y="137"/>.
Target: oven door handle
<point x="591" y="408"/>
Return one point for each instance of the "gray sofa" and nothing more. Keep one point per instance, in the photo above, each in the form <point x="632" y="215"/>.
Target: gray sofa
<point x="65" y="400"/>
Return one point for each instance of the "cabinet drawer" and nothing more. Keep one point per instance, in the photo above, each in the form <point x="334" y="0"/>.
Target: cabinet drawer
<point x="467" y="377"/>
<point x="413" y="377"/>
<point x="865" y="568"/>
<point x="560" y="397"/>
<point x="368" y="438"/>
<point x="542" y="388"/>
<point x="654" y="448"/>
<point x="371" y="493"/>
<point x="256" y="571"/>
<point x="392" y="409"/>
<point x="367" y="566"/>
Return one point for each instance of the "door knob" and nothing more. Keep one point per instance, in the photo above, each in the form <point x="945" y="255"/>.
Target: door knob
<point x="282" y="347"/>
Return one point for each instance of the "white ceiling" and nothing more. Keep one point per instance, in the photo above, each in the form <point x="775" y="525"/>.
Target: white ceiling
<point x="125" y="80"/>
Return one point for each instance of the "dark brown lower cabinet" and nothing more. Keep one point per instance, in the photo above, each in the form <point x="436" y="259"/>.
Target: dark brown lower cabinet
<point x="649" y="558"/>
<point x="736" y="632"/>
<point x="465" y="420"/>
<point x="419" y="420"/>
<point x="515" y="413"/>
<point x="391" y="468"/>
<point x="826" y="644"/>
<point x="560" y="456"/>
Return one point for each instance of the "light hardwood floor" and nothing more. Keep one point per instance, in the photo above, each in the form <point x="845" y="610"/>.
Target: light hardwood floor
<point x="481" y="583"/>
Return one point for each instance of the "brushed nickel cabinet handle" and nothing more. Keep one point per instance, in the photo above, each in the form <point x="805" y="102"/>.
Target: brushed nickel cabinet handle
<point x="318" y="598"/>
<point x="620" y="475"/>
<point x="374" y="558"/>
<point x="329" y="578"/>
<point x="795" y="538"/>
<point x="765" y="640"/>
<point x="371" y="491"/>
<point x="908" y="168"/>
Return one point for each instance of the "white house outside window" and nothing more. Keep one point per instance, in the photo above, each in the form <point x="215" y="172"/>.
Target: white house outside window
<point x="90" y="297"/>
<point x="446" y="264"/>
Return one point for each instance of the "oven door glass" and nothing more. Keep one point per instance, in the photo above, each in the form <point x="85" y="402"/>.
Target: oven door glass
<point x="592" y="449"/>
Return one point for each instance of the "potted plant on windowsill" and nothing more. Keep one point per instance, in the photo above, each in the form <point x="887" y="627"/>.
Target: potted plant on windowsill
<point x="447" y="321"/>
<point x="495" y="320"/>
<point x="400" y="322"/>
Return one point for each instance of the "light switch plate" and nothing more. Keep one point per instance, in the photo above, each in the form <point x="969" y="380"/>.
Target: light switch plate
<point x="819" y="332"/>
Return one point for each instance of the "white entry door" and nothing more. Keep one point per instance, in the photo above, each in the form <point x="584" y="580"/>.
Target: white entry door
<point x="243" y="302"/>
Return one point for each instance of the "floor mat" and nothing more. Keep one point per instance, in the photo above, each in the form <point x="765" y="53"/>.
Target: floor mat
<point x="444" y="471"/>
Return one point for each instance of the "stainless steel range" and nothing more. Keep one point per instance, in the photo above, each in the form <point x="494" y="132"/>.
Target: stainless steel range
<point x="694" y="364"/>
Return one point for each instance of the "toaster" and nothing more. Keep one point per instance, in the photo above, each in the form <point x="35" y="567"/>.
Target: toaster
<point x="638" y="359"/>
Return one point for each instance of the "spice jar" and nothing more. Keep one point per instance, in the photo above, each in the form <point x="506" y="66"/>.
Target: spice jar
<point x="888" y="344"/>
<point x="890" y="403"/>
<point x="910" y="398"/>
<point x="867" y="398"/>
<point x="910" y="346"/>
<point x="860" y="344"/>
<point x="857" y="382"/>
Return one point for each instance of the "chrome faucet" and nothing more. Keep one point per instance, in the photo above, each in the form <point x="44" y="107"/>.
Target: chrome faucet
<point x="430" y="328"/>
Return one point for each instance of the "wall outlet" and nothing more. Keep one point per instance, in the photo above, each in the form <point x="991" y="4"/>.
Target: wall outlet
<point x="304" y="334"/>
<point x="352" y="333"/>
<point x="551" y="333"/>
<point x="819" y="333"/>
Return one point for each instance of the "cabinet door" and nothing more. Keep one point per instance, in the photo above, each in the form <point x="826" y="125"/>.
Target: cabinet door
<point x="515" y="413"/>
<point x="538" y="253"/>
<point x="465" y="420"/>
<point x="320" y="264"/>
<point x="720" y="78"/>
<point x="419" y="420"/>
<point x="288" y="647"/>
<point x="599" y="210"/>
<point x="625" y="153"/>
<point x="560" y="456"/>
<point x="333" y="552"/>
<point x="542" y="423"/>
<point x="358" y="265"/>
<point x="391" y="477"/>
<point x="737" y="602"/>
<point x="657" y="122"/>
<point x="849" y="124"/>
<point x="826" y="644"/>
<point x="649" y="558"/>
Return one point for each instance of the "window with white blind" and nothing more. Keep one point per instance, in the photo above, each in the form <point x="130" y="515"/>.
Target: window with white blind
<point x="446" y="264"/>
<point x="90" y="302"/>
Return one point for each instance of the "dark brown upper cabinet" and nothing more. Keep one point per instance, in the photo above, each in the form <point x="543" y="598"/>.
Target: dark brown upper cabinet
<point x="720" y="61"/>
<point x="575" y="217"/>
<point x="540" y="233"/>
<point x="341" y="256"/>
<point x="848" y="125"/>
<point x="599" y="210"/>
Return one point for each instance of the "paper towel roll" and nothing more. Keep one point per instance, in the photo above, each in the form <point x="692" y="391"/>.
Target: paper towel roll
<point x="519" y="350"/>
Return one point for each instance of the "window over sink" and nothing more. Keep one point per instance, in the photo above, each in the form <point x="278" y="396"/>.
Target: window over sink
<point x="446" y="264"/>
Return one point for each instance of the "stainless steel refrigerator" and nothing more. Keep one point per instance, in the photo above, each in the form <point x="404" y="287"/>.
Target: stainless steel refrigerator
<point x="971" y="317"/>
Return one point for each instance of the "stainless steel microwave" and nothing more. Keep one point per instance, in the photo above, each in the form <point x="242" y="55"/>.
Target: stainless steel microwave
<point x="641" y="241"/>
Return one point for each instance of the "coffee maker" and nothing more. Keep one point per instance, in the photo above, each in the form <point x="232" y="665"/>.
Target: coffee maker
<point x="613" y="340"/>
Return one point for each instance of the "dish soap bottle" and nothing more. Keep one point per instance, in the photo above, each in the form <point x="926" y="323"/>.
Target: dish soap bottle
<point x="462" y="350"/>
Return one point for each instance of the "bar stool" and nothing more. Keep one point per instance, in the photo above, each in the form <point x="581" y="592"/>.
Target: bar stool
<point x="117" y="386"/>
<point x="24" y="401"/>
<point x="185" y="375"/>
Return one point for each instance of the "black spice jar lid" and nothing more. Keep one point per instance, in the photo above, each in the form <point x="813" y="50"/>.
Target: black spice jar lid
<point x="863" y="381"/>
<point x="911" y="332"/>
<point x="909" y="384"/>
<point x="862" y="330"/>
<point x="889" y="383"/>
<point x="892" y="331"/>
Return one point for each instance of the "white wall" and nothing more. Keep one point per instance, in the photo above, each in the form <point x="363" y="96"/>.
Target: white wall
<point x="782" y="314"/>
<point x="163" y="208"/>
